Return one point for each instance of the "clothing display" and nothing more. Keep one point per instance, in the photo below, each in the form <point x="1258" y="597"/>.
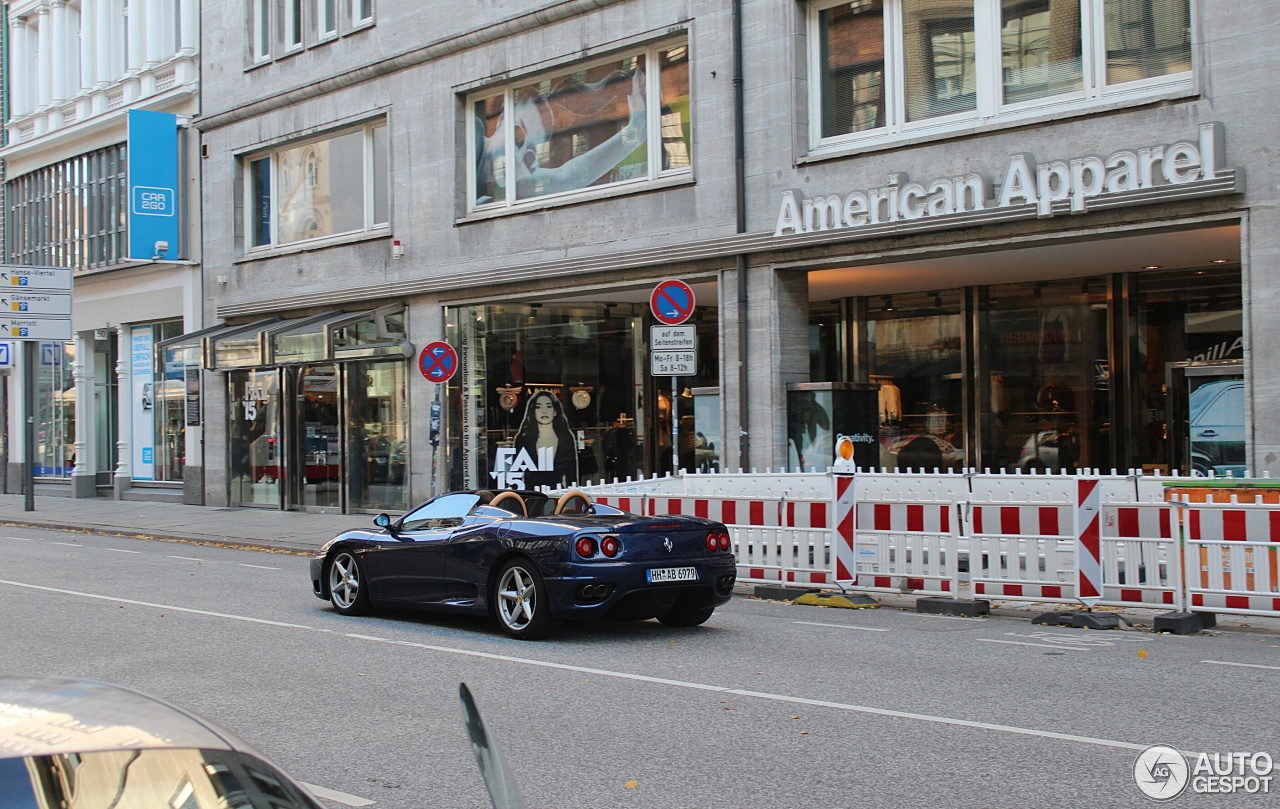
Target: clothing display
<point x="890" y="402"/>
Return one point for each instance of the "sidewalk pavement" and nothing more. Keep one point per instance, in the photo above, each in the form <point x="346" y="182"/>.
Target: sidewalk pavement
<point x="282" y="531"/>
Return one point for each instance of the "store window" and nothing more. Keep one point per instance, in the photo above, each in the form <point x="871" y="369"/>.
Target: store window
<point x="890" y="69"/>
<point x="55" y="414"/>
<point x="623" y="120"/>
<point x="334" y="186"/>
<point x="166" y="406"/>
<point x="551" y="394"/>
<point x="914" y="356"/>
<point x="1180" y="317"/>
<point x="1046" y="399"/>
<point x="254" y="434"/>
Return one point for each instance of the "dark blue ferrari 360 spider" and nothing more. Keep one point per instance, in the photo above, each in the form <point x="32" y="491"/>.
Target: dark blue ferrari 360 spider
<point x="530" y="560"/>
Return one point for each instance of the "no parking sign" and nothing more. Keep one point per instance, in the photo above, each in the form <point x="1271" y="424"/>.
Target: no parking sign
<point x="438" y="362"/>
<point x="672" y="302"/>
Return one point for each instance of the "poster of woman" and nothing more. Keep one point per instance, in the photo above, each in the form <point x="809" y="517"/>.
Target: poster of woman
<point x="545" y="435"/>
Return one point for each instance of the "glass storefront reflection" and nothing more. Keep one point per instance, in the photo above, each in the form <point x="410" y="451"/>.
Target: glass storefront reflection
<point x="550" y="394"/>
<point x="254" y="434"/>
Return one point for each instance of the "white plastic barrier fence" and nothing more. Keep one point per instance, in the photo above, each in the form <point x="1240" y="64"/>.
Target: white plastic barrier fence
<point x="1141" y="561"/>
<point x="1231" y="557"/>
<point x="907" y="546"/>
<point x="1022" y="551"/>
<point x="775" y="540"/>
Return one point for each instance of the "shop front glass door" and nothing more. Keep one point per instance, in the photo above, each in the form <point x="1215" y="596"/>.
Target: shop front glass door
<point x="315" y="449"/>
<point x="256" y="462"/>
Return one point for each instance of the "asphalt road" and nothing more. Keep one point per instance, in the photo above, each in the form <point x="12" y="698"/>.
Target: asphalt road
<point x="768" y="705"/>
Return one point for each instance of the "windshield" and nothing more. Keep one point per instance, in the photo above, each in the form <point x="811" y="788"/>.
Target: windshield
<point x="447" y="509"/>
<point x="147" y="779"/>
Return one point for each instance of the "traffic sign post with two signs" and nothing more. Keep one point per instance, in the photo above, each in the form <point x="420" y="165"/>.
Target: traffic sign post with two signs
<point x="673" y="348"/>
<point x="35" y="305"/>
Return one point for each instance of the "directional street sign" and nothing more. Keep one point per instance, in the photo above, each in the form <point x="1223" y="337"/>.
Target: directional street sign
<point x="13" y="301"/>
<point x="438" y="362"/>
<point x="34" y="328"/>
<point x="672" y="302"/>
<point x="56" y="279"/>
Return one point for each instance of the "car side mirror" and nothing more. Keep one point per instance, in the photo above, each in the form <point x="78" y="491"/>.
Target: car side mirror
<point x="382" y="521"/>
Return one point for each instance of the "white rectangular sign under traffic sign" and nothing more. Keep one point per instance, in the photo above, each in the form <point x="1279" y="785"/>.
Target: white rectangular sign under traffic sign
<point x="673" y="338"/>
<point x="35" y="328"/>
<point x="54" y="279"/>
<point x="19" y="301"/>
<point x="6" y="355"/>
<point x="673" y="363"/>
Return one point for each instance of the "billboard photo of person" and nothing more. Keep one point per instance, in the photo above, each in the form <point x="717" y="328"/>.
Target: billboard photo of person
<point x="545" y="435"/>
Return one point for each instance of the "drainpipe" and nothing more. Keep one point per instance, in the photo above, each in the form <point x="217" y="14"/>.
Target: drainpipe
<point x="740" y="205"/>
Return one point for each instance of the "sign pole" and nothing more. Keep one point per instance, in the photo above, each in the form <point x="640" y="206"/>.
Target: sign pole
<point x="675" y="435"/>
<point x="29" y="360"/>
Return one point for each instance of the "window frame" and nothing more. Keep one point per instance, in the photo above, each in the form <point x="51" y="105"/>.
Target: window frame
<point x="355" y="9"/>
<point x="326" y="24"/>
<point x="991" y="111"/>
<point x="653" y="129"/>
<point x="260" y="31"/>
<point x="293" y="28"/>
<point x="249" y="225"/>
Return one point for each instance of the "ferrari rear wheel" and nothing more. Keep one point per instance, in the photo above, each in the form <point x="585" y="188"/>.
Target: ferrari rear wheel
<point x="520" y="601"/>
<point x="689" y="618"/>
<point x="347" y="588"/>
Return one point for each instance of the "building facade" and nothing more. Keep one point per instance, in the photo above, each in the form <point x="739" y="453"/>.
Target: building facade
<point x="972" y="233"/>
<point x="99" y="180"/>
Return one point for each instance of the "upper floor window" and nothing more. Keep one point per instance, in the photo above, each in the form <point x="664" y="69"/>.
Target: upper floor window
<point x="896" y="68"/>
<point x="278" y="28"/>
<point x="621" y="120"/>
<point x="328" y="187"/>
<point x="69" y="214"/>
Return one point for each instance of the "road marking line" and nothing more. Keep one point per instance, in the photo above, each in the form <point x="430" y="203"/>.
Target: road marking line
<point x="1040" y="645"/>
<point x="842" y="626"/>
<point x="187" y="558"/>
<point x="1243" y="665"/>
<point x="817" y="703"/>
<point x="642" y="678"/>
<point x="169" y="607"/>
<point x="334" y="795"/>
<point x="23" y="539"/>
<point x="120" y="550"/>
<point x="259" y="567"/>
<point x="69" y="544"/>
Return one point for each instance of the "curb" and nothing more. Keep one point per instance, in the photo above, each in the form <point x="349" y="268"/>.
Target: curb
<point x="185" y="539"/>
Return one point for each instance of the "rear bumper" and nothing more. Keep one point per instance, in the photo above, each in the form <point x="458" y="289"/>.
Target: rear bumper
<point x="630" y="595"/>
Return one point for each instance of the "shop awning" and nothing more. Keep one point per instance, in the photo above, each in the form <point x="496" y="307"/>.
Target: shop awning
<point x="334" y="335"/>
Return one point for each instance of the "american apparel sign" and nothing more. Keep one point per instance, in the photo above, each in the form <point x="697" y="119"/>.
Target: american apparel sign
<point x="1025" y="182"/>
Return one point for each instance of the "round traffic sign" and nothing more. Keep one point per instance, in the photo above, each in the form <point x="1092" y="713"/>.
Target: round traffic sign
<point x="438" y="362"/>
<point x="672" y="302"/>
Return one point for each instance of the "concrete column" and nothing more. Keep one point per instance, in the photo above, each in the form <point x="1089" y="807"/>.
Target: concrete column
<point x="156" y="33"/>
<point x="19" y="63"/>
<point x="190" y="27"/>
<point x="88" y="44"/>
<point x="137" y="38"/>
<point x="84" y="475"/>
<point x="101" y="30"/>
<point x="44" y="57"/>
<point x="59" y="84"/>
<point x="124" y="411"/>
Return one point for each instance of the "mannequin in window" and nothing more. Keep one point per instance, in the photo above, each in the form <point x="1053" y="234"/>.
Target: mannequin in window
<point x="543" y="433"/>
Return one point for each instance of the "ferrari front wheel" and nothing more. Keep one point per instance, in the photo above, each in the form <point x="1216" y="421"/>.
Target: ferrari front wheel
<point x="347" y="588"/>
<point x="521" y="602"/>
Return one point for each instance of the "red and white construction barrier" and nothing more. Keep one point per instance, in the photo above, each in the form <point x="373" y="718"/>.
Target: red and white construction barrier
<point x="1232" y="559"/>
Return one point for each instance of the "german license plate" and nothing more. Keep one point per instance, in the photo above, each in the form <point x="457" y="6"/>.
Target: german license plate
<point x="658" y="575"/>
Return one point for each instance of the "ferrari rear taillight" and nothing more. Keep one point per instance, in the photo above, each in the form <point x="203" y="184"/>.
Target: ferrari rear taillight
<point x="610" y="546"/>
<point x="586" y="547"/>
<point x="725" y="542"/>
<point x="713" y="542"/>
